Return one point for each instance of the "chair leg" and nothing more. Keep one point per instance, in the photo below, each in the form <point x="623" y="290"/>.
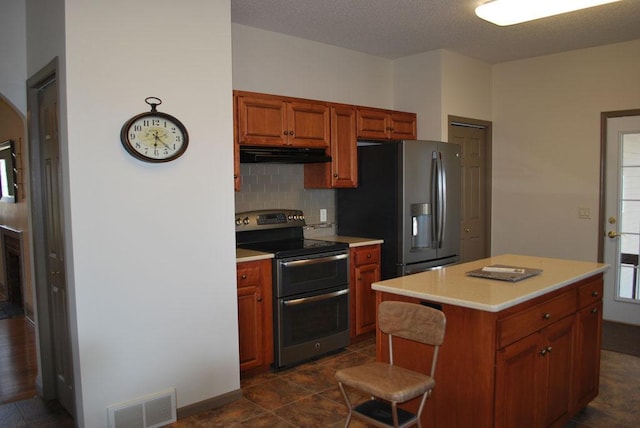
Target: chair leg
<point x="394" y="413"/>
<point x="346" y="399"/>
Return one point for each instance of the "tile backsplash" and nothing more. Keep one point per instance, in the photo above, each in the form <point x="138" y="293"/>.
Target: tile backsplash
<point x="266" y="186"/>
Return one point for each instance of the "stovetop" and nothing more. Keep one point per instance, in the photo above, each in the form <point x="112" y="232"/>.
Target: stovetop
<point x="279" y="232"/>
<point x="295" y="247"/>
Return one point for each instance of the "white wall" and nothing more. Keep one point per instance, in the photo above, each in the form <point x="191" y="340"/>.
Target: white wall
<point x="274" y="63"/>
<point x="417" y="88"/>
<point x="150" y="247"/>
<point x="546" y="146"/>
<point x="13" y="51"/>
<point x="466" y="88"/>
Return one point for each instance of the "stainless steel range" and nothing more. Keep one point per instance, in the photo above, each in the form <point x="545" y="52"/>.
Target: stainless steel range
<point x="310" y="284"/>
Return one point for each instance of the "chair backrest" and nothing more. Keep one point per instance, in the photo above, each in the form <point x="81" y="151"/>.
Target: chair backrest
<point x="412" y="321"/>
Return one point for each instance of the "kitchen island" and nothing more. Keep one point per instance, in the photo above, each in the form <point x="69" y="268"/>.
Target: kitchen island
<point x="523" y="353"/>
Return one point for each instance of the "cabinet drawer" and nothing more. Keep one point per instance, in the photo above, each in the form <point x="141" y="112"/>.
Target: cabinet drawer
<point x="366" y="255"/>
<point x="248" y="275"/>
<point x="590" y="292"/>
<point x="533" y="319"/>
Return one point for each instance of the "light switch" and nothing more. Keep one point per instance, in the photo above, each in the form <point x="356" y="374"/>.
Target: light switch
<point x="584" y="213"/>
<point x="323" y="215"/>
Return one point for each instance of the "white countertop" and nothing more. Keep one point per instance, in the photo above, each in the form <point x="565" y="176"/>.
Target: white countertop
<point x="243" y="255"/>
<point x="451" y="285"/>
<point x="351" y="240"/>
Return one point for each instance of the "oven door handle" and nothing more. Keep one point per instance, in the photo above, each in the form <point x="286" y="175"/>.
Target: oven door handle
<point x="315" y="298"/>
<point x="314" y="261"/>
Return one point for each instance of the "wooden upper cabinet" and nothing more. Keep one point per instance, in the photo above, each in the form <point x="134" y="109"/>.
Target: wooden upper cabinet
<point x="236" y="147"/>
<point x="379" y="124"/>
<point x="342" y="171"/>
<point x="269" y="120"/>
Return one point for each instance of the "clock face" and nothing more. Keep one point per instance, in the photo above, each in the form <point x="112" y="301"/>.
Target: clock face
<point x="155" y="137"/>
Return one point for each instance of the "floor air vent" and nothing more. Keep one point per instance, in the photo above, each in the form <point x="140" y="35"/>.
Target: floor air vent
<point x="150" y="411"/>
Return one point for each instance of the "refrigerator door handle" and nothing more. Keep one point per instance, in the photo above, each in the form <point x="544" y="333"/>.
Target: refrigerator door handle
<point x="443" y="201"/>
<point x="435" y="203"/>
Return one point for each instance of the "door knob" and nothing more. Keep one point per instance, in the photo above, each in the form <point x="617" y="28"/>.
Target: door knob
<point x="613" y="234"/>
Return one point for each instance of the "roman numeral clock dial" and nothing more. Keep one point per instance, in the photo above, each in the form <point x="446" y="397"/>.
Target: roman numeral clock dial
<point x="154" y="136"/>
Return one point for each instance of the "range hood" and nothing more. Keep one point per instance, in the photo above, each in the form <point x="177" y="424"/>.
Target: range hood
<point x="259" y="154"/>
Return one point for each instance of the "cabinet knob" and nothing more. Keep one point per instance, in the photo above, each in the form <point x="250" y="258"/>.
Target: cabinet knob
<point x="595" y="294"/>
<point x="335" y="175"/>
<point x="594" y="310"/>
<point x="259" y="299"/>
<point x="286" y="132"/>
<point x="244" y="276"/>
<point x="543" y="352"/>
<point x="290" y="132"/>
<point x="369" y="255"/>
<point x="546" y="316"/>
<point x="235" y="176"/>
<point x="549" y="349"/>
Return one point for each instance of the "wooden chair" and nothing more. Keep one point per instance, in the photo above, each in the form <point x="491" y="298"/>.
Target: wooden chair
<point x="389" y="384"/>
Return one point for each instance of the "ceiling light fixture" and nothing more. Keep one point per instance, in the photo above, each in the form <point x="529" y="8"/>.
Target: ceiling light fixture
<point x="509" y="12"/>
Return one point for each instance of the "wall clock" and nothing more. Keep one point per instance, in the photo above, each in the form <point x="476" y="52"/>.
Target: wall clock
<point x="154" y="136"/>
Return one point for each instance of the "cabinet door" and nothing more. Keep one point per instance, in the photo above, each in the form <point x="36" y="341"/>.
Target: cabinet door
<point x="255" y="315"/>
<point x="587" y="357"/>
<point x="403" y="126"/>
<point x="308" y="124"/>
<point x="366" y="270"/>
<point x="519" y="381"/>
<point x="344" y="151"/>
<point x="559" y="341"/>
<point x="250" y="327"/>
<point x="262" y="121"/>
<point x="373" y="124"/>
<point x="236" y="147"/>
<point x="342" y="171"/>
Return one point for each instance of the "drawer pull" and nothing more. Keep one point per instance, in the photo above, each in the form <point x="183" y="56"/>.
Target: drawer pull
<point x="549" y="349"/>
<point x="543" y="352"/>
<point x="244" y="276"/>
<point x="595" y="294"/>
<point x="594" y="310"/>
<point x="546" y="316"/>
<point x="369" y="255"/>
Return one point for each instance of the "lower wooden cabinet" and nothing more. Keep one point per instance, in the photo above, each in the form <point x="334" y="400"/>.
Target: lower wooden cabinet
<point x="255" y="315"/>
<point x="533" y="378"/>
<point x="365" y="270"/>
<point x="535" y="364"/>
<point x="588" y="337"/>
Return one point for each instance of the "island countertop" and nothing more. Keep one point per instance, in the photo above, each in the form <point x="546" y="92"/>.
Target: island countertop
<point x="451" y="285"/>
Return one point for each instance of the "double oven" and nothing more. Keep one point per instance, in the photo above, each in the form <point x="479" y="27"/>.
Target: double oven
<point x="310" y="284"/>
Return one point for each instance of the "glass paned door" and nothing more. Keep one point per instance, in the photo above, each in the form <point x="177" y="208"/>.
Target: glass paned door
<point x="629" y="217"/>
<point x="621" y="243"/>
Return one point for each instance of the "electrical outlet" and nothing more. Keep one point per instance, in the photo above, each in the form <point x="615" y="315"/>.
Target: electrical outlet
<point x="584" y="213"/>
<point x="323" y="215"/>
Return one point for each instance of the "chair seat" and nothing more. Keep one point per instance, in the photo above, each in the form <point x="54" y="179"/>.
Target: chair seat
<point x="385" y="381"/>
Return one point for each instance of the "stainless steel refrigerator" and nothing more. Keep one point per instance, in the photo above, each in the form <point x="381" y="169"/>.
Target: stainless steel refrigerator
<point x="408" y="194"/>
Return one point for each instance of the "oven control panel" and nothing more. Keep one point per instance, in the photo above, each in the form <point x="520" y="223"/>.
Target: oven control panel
<point x="269" y="219"/>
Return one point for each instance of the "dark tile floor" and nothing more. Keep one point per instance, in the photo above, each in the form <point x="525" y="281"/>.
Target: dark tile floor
<point x="307" y="396"/>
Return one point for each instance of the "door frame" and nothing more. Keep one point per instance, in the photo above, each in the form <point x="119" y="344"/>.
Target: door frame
<point x="604" y="116"/>
<point x="46" y="379"/>
<point x="488" y="150"/>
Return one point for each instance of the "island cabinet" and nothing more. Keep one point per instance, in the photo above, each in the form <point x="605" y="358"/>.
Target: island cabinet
<point x="377" y="124"/>
<point x="255" y="316"/>
<point x="270" y="120"/>
<point x="365" y="270"/>
<point x="342" y="171"/>
<point x="533" y="363"/>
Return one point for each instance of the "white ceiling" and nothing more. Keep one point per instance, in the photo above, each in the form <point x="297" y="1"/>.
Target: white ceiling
<point x="397" y="28"/>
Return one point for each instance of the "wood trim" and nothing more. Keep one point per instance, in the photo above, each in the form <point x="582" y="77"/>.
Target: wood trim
<point x="604" y="116"/>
